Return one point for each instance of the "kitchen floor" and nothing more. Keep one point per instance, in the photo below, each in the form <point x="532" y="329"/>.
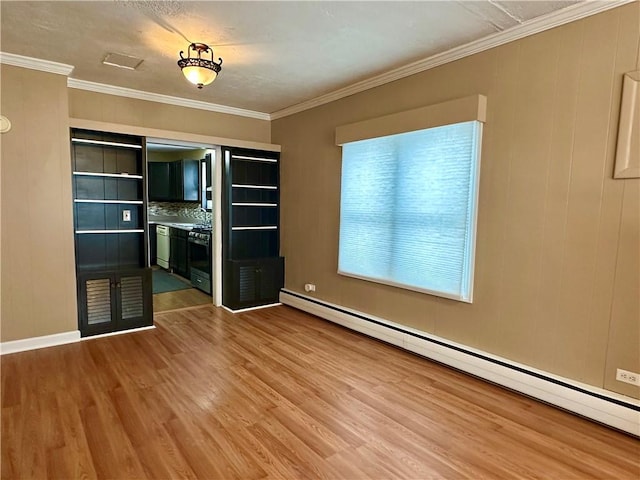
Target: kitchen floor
<point x="191" y="297"/>
<point x="173" y="300"/>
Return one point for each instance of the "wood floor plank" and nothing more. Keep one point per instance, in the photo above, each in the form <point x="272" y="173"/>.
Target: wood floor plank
<point x="282" y="447"/>
<point x="406" y="432"/>
<point x="264" y="456"/>
<point x="236" y="455"/>
<point x="189" y="297"/>
<point x="76" y="454"/>
<point x="197" y="453"/>
<point x="318" y="438"/>
<point x="10" y="449"/>
<point x="279" y="394"/>
<point x="454" y="439"/>
<point x="523" y="427"/>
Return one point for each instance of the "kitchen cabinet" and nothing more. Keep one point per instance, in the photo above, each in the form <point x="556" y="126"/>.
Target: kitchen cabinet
<point x="178" y="252"/>
<point x="110" y="219"/>
<point x="188" y="180"/>
<point x="177" y="181"/>
<point x="153" y="244"/>
<point x="252" y="270"/>
<point x="159" y="182"/>
<point x="114" y="300"/>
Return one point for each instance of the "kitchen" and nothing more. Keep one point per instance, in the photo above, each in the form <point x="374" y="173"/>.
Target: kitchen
<point x="179" y="213"/>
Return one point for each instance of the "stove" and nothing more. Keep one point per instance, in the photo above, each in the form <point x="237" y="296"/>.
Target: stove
<point x="200" y="257"/>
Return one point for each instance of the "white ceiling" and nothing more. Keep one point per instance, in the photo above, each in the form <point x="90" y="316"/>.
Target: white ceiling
<point x="275" y="54"/>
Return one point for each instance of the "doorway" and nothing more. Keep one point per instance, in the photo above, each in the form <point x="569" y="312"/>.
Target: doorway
<point x="182" y="214"/>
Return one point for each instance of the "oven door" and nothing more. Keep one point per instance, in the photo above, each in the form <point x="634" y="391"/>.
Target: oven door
<point x="200" y="263"/>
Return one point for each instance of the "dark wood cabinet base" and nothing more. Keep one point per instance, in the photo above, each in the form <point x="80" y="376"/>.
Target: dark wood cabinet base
<point x="251" y="283"/>
<point x="113" y="300"/>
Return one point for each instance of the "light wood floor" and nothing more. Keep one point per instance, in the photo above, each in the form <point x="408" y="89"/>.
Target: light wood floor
<point x="189" y="297"/>
<point x="277" y="393"/>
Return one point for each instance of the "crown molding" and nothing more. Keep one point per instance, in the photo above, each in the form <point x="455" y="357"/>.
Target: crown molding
<point x="537" y="25"/>
<point x="159" y="98"/>
<point x="35" y="64"/>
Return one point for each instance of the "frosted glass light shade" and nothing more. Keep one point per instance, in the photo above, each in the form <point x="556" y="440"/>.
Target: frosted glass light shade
<point x="199" y="76"/>
<point x="199" y="71"/>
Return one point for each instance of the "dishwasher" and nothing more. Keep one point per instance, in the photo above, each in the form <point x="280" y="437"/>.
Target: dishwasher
<point x="164" y="245"/>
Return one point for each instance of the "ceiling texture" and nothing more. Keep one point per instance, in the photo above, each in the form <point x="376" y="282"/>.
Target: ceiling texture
<point x="275" y="54"/>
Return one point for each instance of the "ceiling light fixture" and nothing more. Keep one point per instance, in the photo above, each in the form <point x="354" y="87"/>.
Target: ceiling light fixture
<point x="199" y="71"/>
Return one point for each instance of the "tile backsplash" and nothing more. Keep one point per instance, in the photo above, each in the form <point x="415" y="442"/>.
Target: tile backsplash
<point x="182" y="210"/>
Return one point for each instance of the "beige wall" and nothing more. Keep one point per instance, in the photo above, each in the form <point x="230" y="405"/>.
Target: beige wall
<point x="172" y="156"/>
<point x="141" y="113"/>
<point x="38" y="290"/>
<point x="557" y="265"/>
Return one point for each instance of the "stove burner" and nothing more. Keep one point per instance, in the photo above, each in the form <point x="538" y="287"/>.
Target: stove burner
<point x="201" y="228"/>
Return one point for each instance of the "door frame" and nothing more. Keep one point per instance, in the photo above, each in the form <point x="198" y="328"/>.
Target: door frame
<point x="216" y="211"/>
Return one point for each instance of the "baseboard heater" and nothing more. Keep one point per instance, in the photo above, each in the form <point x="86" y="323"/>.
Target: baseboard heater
<point x="612" y="409"/>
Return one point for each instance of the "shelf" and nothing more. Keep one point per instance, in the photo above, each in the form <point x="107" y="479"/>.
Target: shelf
<point x="108" y="172"/>
<point x="253" y="159"/>
<point x="238" y="204"/>
<point x="262" y="187"/>
<point x="124" y="202"/>
<point x="110" y="175"/>
<point x="110" y="231"/>
<point x="268" y="227"/>
<point x="251" y="213"/>
<point x="104" y="143"/>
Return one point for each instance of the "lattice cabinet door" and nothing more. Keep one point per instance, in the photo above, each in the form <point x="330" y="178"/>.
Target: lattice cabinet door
<point x="96" y="302"/>
<point x="114" y="300"/>
<point x="250" y="283"/>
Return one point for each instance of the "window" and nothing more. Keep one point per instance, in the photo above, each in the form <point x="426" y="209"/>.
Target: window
<point x="408" y="209"/>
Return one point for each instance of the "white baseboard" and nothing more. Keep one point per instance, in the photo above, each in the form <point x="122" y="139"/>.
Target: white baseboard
<point x="251" y="308"/>
<point x="118" y="332"/>
<point x="609" y="408"/>
<point x="32" y="343"/>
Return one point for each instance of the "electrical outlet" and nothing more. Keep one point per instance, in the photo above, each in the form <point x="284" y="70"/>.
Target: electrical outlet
<point x="628" y="377"/>
<point x="126" y="215"/>
<point x="309" y="287"/>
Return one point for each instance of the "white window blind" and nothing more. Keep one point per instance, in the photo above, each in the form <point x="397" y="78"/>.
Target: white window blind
<point x="408" y="209"/>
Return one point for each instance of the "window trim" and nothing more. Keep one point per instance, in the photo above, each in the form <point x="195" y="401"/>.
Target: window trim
<point x="466" y="109"/>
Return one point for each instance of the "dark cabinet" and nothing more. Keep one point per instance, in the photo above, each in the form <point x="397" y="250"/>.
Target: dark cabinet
<point x="250" y="283"/>
<point x="189" y="184"/>
<point x="177" y="181"/>
<point x="178" y="253"/>
<point x="110" y="219"/>
<point x="253" y="271"/>
<point x="153" y="244"/>
<point x="114" y="300"/>
<point x="159" y="182"/>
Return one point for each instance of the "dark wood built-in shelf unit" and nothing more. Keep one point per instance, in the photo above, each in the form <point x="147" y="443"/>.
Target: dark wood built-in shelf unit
<point x="253" y="270"/>
<point x="110" y="218"/>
